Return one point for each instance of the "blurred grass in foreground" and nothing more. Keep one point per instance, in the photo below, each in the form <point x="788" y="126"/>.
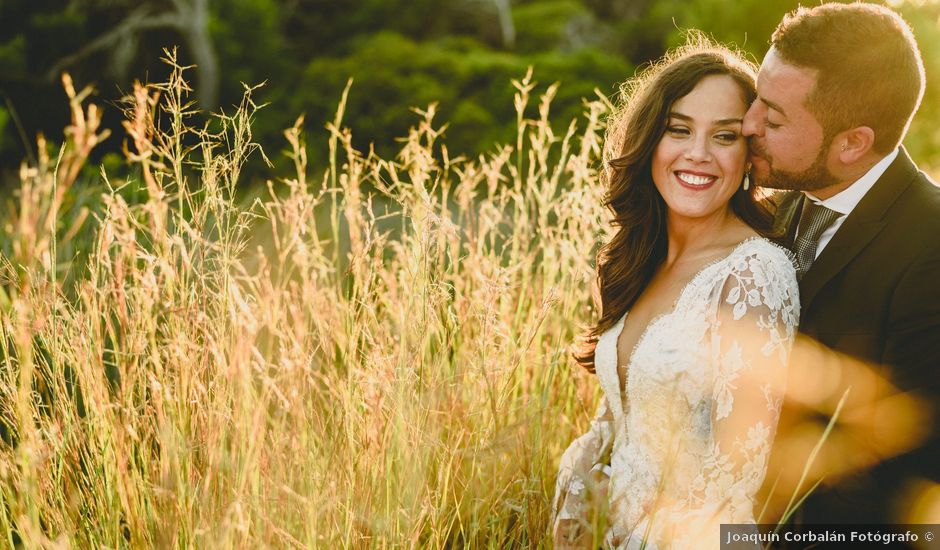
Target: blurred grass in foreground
<point x="341" y="386"/>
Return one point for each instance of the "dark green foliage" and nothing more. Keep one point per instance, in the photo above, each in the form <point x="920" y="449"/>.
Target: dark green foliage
<point x="400" y="53"/>
<point x="548" y="25"/>
<point x="249" y="40"/>
<point x="923" y="140"/>
<point x="471" y="83"/>
<point x="4" y="117"/>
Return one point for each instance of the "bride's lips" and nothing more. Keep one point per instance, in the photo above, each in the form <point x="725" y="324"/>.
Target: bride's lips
<point x="697" y="181"/>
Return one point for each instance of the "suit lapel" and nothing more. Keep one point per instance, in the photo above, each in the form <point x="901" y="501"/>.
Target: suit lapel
<point x="859" y="228"/>
<point x="845" y="245"/>
<point x="786" y="219"/>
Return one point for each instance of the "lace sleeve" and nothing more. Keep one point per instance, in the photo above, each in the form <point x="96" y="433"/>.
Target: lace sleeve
<point x="755" y="324"/>
<point x="583" y="472"/>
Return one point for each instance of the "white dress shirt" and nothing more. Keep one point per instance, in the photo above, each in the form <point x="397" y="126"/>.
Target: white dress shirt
<point x="846" y="200"/>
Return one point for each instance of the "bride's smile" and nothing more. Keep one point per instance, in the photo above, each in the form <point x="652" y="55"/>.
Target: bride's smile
<point x="696" y="181"/>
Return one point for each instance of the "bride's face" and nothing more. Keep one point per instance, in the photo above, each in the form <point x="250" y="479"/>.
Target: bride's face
<point x="700" y="160"/>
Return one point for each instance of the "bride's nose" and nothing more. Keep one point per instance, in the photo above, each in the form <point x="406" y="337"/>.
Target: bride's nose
<point x="698" y="150"/>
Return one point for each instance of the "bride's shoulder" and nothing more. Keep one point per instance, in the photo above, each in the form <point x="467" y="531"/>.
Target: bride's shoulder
<point x="763" y="254"/>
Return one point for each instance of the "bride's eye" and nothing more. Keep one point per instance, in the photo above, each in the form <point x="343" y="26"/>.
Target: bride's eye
<point x="677" y="131"/>
<point x="726" y="137"/>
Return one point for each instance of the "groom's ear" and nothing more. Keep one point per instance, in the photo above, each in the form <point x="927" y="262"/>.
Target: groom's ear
<point x="853" y="145"/>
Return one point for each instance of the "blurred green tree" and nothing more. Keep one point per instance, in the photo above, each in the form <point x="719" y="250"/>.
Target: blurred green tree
<point x="401" y="53"/>
<point x="471" y="82"/>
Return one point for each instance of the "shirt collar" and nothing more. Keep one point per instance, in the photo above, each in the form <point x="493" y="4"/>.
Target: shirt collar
<point x="846" y="200"/>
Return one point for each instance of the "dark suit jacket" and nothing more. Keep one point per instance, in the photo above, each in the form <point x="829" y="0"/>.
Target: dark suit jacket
<point x="874" y="294"/>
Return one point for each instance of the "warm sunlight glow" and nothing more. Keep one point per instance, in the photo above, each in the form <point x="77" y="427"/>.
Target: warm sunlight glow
<point x="876" y="421"/>
<point x="925" y="503"/>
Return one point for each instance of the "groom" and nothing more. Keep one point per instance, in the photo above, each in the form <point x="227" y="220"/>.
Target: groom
<point x="836" y="94"/>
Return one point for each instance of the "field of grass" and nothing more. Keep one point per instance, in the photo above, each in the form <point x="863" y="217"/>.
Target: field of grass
<point x="369" y="354"/>
<point x="375" y="355"/>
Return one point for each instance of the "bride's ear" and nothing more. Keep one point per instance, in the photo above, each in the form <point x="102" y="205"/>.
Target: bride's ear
<point x="854" y="144"/>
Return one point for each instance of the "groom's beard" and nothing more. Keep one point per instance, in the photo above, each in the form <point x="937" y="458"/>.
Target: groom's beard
<point x="815" y="177"/>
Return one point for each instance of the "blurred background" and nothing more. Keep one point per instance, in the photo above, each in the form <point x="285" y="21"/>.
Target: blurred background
<point x="400" y="53"/>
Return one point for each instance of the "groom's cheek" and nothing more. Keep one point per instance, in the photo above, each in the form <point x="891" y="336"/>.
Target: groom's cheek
<point x="760" y="168"/>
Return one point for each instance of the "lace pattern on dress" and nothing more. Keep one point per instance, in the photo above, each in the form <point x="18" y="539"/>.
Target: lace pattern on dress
<point x="704" y="387"/>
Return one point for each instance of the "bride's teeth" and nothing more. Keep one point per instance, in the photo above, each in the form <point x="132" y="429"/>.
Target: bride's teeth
<point x="694" y="180"/>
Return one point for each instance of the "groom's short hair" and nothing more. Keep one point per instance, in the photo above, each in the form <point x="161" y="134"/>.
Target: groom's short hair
<point x="869" y="71"/>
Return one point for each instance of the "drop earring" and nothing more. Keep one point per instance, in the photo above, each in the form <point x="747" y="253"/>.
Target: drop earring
<point x="747" y="181"/>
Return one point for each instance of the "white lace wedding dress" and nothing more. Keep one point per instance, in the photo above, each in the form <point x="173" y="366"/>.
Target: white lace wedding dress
<point x="689" y="436"/>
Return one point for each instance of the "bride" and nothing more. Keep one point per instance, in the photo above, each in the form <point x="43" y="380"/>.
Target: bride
<point x="698" y="314"/>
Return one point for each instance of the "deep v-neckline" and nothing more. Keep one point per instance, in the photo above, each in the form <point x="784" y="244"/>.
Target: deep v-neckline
<point x="623" y="382"/>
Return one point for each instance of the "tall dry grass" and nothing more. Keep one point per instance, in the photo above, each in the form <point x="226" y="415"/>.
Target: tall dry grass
<point x="310" y="369"/>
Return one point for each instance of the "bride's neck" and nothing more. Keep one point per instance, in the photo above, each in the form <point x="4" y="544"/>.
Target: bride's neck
<point x="690" y="237"/>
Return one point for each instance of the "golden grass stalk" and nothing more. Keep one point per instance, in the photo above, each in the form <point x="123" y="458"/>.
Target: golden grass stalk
<point x="375" y="357"/>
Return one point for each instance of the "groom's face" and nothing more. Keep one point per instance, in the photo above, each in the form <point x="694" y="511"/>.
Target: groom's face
<point x="786" y="141"/>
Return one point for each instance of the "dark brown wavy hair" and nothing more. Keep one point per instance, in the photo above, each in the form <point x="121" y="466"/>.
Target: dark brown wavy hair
<point x="626" y="264"/>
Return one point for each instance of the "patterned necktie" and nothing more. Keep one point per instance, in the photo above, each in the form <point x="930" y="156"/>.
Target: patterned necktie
<point x="814" y="220"/>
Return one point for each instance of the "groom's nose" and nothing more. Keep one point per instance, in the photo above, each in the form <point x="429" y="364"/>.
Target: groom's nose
<point x="753" y="124"/>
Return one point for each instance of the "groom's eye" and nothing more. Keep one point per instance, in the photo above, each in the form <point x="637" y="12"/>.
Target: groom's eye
<point x="770" y="124"/>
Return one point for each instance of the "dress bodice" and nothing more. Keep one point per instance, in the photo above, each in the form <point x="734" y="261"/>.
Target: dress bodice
<point x="673" y="454"/>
